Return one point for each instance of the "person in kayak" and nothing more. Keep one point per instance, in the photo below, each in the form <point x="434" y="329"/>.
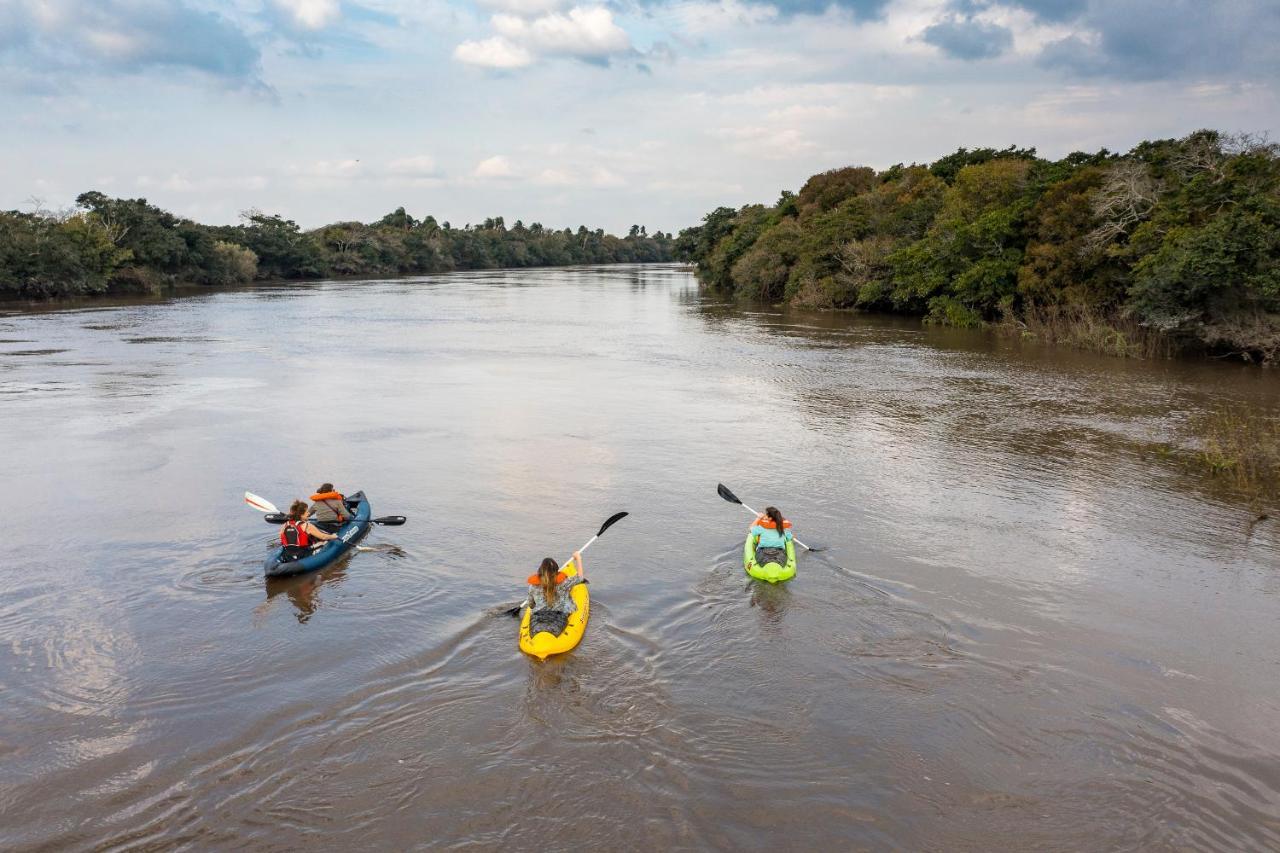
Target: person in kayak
<point x="549" y="597"/>
<point x="772" y="533"/>
<point x="329" y="508"/>
<point x="299" y="536"/>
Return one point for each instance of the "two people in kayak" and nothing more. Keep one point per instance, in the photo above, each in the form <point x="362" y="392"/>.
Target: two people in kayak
<point x="306" y="527"/>
<point x="549" y="598"/>
<point x="771" y="532"/>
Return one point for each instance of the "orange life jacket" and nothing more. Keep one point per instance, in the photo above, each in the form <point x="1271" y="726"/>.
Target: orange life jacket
<point x="534" y="580"/>
<point x="328" y="496"/>
<point x="767" y="523"/>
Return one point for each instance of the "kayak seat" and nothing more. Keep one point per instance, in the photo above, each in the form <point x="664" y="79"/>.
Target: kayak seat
<point x="549" y="620"/>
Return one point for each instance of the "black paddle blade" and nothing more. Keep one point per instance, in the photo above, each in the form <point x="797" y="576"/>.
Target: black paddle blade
<point x="723" y="492"/>
<point x="388" y="520"/>
<point x="612" y="520"/>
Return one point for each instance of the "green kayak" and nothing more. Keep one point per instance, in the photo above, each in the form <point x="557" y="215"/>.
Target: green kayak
<point x="771" y="572"/>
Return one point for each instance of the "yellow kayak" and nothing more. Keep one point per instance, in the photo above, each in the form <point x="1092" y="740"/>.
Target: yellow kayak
<point x="543" y="644"/>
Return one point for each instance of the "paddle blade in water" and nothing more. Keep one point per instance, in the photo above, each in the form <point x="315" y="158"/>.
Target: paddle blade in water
<point x="612" y="519"/>
<point x="389" y="520"/>
<point x="726" y="494"/>
<point x="260" y="504"/>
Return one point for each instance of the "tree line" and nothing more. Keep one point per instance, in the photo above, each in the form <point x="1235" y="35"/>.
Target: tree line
<point x="1177" y="242"/>
<point x="109" y="245"/>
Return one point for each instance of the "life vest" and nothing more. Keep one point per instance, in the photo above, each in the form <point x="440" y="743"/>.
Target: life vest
<point x="767" y="523"/>
<point x="296" y="531"/>
<point x="328" y="496"/>
<point x="534" y="580"/>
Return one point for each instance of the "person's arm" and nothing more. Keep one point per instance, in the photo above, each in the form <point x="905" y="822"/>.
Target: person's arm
<point x="312" y="530"/>
<point x="577" y="561"/>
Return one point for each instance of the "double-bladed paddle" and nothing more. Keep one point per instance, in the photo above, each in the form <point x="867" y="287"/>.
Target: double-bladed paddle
<point x="275" y="516"/>
<point x="724" y="492"/>
<point x="613" y="519"/>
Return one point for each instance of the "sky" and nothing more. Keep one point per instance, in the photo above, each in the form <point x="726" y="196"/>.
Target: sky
<point x="571" y="112"/>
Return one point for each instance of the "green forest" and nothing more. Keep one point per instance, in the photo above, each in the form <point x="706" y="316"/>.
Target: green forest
<point x="1172" y="247"/>
<point x="114" y="245"/>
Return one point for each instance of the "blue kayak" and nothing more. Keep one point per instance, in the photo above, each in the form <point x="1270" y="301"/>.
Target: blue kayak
<point x="326" y="553"/>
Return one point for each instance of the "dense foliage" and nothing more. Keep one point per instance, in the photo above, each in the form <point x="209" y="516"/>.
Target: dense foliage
<point x="1178" y="240"/>
<point x="112" y="244"/>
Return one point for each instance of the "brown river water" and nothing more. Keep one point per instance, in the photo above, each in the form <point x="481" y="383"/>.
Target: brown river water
<point x="1025" y="631"/>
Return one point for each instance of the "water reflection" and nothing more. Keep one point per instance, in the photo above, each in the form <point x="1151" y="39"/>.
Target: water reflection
<point x="303" y="591"/>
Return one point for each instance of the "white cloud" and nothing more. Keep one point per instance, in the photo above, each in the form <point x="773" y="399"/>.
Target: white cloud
<point x="494" y="52"/>
<point x="527" y="8"/>
<point x="597" y="176"/>
<point x="311" y="14"/>
<point x="767" y="142"/>
<point x="178" y="182"/>
<point x="584" y="32"/>
<point x="421" y="166"/>
<point x="497" y="166"/>
<point x="603" y="178"/>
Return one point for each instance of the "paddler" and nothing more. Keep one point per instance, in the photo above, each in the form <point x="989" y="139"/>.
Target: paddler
<point x="549" y="596"/>
<point x="772" y="533"/>
<point x="329" y="508"/>
<point x="297" y="535"/>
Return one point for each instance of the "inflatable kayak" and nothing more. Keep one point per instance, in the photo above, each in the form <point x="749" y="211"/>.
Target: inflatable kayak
<point x="544" y="644"/>
<point x="771" y="572"/>
<point x="348" y="535"/>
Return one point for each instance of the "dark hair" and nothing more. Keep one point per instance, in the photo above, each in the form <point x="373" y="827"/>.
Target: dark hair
<point x="776" y="517"/>
<point x="547" y="571"/>
<point x="297" y="510"/>
<point x="324" y="487"/>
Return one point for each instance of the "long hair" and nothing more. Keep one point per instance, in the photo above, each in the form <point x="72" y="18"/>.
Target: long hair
<point x="547" y="572"/>
<point x="776" y="517"/>
<point x="297" y="510"/>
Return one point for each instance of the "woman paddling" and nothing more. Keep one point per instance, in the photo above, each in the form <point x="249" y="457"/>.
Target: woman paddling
<point x="297" y="534"/>
<point x="549" y="598"/>
<point x="771" y="532"/>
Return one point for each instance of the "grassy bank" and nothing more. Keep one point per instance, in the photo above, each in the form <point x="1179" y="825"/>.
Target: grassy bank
<point x="1083" y="328"/>
<point x="1240" y="448"/>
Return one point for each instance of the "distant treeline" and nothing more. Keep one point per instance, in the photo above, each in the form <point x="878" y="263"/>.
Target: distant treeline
<point x="1173" y="246"/>
<point x="121" y="245"/>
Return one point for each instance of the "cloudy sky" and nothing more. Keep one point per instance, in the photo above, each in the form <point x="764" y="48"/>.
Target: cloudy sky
<point x="580" y="112"/>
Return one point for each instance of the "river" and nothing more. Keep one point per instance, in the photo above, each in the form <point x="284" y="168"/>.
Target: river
<point x="1025" y="630"/>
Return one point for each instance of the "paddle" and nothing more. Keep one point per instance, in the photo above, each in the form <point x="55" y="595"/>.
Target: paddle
<point x="733" y="499"/>
<point x="275" y="516"/>
<point x="613" y="519"/>
<point x="260" y="504"/>
<point x="388" y="520"/>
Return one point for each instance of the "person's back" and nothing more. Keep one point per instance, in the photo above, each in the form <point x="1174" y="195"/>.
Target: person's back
<point x="771" y="533"/>
<point x="328" y="507"/>
<point x="550" y="596"/>
<point x="299" y="537"/>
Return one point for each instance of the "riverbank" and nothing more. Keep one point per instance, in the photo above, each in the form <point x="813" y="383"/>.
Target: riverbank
<point x="1171" y="248"/>
<point x="109" y="245"/>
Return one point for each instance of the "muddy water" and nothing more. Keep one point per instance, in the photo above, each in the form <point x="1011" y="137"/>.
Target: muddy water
<point x="1024" y="632"/>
